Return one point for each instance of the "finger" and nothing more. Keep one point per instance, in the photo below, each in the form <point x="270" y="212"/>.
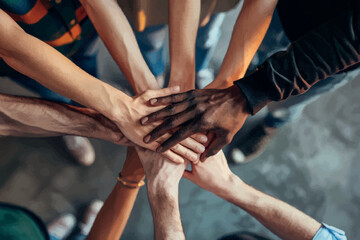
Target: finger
<point x="172" y="98"/>
<point x="186" y="153"/>
<point x="200" y="137"/>
<point x="167" y="125"/>
<point x="193" y="145"/>
<point x="214" y="147"/>
<point x="174" y="157"/>
<point x="168" y="111"/>
<point x="185" y="131"/>
<point x="161" y="92"/>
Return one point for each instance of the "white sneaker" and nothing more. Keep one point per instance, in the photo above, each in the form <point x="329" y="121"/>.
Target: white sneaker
<point x="89" y="216"/>
<point x="81" y="149"/>
<point x="62" y="226"/>
<point x="204" y="77"/>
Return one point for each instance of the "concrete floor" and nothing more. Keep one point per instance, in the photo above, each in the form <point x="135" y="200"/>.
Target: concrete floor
<point x="312" y="163"/>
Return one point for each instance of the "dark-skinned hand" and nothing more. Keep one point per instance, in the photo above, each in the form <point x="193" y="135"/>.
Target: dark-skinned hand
<point x="221" y="112"/>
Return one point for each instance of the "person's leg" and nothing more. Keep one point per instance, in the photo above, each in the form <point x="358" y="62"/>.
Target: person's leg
<point x="151" y="43"/>
<point x="207" y="38"/>
<point x="88" y="220"/>
<point x="281" y="113"/>
<point x="61" y="227"/>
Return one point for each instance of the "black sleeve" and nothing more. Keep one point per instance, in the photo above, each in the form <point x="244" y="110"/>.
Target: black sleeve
<point x="330" y="48"/>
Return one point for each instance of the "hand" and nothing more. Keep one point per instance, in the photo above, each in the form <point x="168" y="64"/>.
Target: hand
<point x="162" y="176"/>
<point x="105" y="129"/>
<point x="213" y="175"/>
<point x="222" y="112"/>
<point x="128" y="121"/>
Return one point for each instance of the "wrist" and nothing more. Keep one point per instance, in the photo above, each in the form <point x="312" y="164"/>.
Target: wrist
<point x="239" y="100"/>
<point x="165" y="189"/>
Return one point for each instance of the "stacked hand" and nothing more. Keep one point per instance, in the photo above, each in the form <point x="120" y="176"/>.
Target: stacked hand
<point x="219" y="111"/>
<point x="128" y="121"/>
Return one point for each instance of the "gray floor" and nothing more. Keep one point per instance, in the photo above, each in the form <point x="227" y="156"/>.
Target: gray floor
<point x="312" y="164"/>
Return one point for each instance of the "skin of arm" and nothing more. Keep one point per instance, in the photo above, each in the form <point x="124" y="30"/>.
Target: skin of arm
<point x="279" y="217"/>
<point x="113" y="216"/>
<point x="163" y="190"/>
<point x="249" y="31"/>
<point x="59" y="74"/>
<point x="183" y="26"/>
<point x="117" y="34"/>
<point x="31" y="117"/>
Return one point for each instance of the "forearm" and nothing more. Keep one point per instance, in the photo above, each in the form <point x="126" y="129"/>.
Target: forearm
<point x="39" y="61"/>
<point x="282" y="219"/>
<point x="165" y="210"/>
<point x="183" y="26"/>
<point x="117" y="34"/>
<point x="249" y="31"/>
<point x="112" y="218"/>
<point x="31" y="117"/>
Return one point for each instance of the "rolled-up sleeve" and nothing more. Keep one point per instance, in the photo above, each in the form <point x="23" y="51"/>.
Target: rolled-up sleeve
<point x="327" y="232"/>
<point x="330" y="48"/>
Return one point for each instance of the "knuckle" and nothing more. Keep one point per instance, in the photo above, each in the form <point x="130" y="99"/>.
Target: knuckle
<point x="171" y="109"/>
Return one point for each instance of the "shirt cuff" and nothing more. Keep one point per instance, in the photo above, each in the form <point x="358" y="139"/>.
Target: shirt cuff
<point x="255" y="89"/>
<point x="327" y="232"/>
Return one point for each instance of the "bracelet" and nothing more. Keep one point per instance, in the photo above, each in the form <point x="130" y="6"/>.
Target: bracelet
<point x="128" y="183"/>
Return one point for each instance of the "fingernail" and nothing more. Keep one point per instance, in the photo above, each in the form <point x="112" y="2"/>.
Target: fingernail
<point x="144" y="120"/>
<point x="159" y="149"/>
<point x="175" y="88"/>
<point x="153" y="101"/>
<point x="147" y="139"/>
<point x="204" y="139"/>
<point x="201" y="149"/>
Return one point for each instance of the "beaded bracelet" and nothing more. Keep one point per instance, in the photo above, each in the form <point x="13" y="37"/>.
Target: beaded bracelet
<point x="128" y="183"/>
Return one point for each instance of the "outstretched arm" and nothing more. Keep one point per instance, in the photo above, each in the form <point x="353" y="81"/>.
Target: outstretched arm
<point x="163" y="179"/>
<point x="183" y="26"/>
<point x="279" y="217"/>
<point x="113" y="216"/>
<point x="39" y="61"/>
<point x="32" y="117"/>
<point x="249" y="31"/>
<point x="117" y="34"/>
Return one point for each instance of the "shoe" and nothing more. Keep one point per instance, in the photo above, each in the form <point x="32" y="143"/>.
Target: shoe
<point x="253" y="144"/>
<point x="204" y="77"/>
<point x="81" y="149"/>
<point x="62" y="226"/>
<point x="89" y="216"/>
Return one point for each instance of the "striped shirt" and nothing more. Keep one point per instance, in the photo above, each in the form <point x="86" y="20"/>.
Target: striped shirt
<point x="62" y="24"/>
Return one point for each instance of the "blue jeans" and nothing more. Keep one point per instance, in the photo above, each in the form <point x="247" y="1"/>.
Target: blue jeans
<point x="291" y="109"/>
<point x="152" y="44"/>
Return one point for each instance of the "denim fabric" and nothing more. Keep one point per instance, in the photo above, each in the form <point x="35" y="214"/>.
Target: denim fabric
<point x="152" y="44"/>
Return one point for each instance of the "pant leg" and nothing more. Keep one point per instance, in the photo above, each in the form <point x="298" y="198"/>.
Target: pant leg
<point x="207" y="39"/>
<point x="54" y="238"/>
<point x="151" y="43"/>
<point x="291" y="109"/>
<point x="77" y="237"/>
